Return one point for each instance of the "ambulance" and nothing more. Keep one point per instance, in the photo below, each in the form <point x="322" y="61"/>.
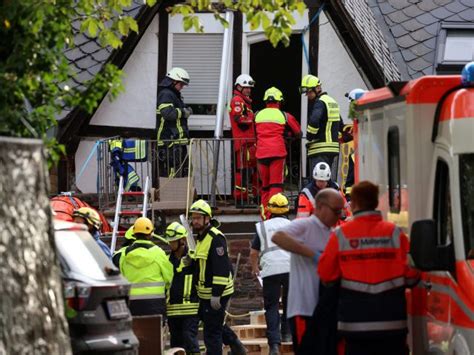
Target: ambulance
<point x="416" y="141"/>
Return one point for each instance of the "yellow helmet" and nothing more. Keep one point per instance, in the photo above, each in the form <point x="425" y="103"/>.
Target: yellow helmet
<point x="143" y="225"/>
<point x="273" y="94"/>
<point x="309" y="82"/>
<point x="175" y="231"/>
<point x="278" y="204"/>
<point x="201" y="207"/>
<point x="90" y="215"/>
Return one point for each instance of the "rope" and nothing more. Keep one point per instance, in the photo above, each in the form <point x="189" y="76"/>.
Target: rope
<point x="230" y="315"/>
<point x="305" y="29"/>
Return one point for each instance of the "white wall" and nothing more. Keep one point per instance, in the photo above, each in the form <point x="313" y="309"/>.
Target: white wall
<point x="136" y="105"/>
<point x="336" y="70"/>
<point x="87" y="182"/>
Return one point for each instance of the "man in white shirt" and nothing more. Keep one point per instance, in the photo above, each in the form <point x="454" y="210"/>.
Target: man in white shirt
<point x="306" y="239"/>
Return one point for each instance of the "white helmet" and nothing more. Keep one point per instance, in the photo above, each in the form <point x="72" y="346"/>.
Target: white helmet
<point x="322" y="171"/>
<point x="245" y="81"/>
<point x="179" y="74"/>
<point x="355" y="94"/>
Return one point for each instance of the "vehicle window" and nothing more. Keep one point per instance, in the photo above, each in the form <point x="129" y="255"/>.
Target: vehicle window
<point x="80" y="253"/>
<point x="442" y="204"/>
<point x="393" y="144"/>
<point x="466" y="177"/>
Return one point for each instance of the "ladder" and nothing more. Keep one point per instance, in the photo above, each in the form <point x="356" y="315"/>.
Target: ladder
<point x="119" y="212"/>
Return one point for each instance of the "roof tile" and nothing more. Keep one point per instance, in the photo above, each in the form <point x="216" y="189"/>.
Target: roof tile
<point x="398" y="16"/>
<point x="399" y="4"/>
<point x="468" y="3"/>
<point x="433" y="28"/>
<point x="398" y="31"/>
<point x="427" y="18"/>
<point x="455" y="7"/>
<point x="421" y="35"/>
<point x="408" y="55"/>
<point x="443" y="2"/>
<point x="427" y="5"/>
<point x="467" y="14"/>
<point x="413" y="11"/>
<point x="441" y="13"/>
<point x="420" y="49"/>
<point x="412" y="25"/>
<point x="386" y="8"/>
<point x="454" y="18"/>
<point x="419" y="64"/>
<point x="431" y="43"/>
<point x="406" y="41"/>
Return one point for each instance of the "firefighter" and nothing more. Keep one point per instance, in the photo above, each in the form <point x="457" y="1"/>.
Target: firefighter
<point x="323" y="124"/>
<point x="347" y="136"/>
<point x="242" y="121"/>
<point x="91" y="218"/>
<point x="275" y="264"/>
<point x="272" y="125"/>
<point x="215" y="284"/>
<point x="147" y="267"/>
<point x="183" y="302"/>
<point x="321" y="180"/>
<point x="129" y="239"/>
<point x="369" y="258"/>
<point x="172" y="123"/>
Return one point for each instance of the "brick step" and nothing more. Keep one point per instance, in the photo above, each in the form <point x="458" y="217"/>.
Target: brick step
<point x="257" y="318"/>
<point x="259" y="346"/>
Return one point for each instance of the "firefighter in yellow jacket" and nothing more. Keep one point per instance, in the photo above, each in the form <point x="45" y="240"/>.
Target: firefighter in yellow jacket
<point x="183" y="302"/>
<point x="215" y="282"/>
<point x="147" y="267"/>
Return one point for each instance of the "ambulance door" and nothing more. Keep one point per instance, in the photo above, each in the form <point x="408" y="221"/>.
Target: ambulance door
<point x="435" y="285"/>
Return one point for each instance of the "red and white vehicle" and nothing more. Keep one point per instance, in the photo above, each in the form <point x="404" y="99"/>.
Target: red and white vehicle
<point x="416" y="141"/>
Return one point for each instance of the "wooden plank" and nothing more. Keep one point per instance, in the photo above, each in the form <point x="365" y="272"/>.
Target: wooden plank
<point x="149" y="332"/>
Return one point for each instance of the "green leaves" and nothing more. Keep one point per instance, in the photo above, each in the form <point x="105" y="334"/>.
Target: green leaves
<point x="274" y="17"/>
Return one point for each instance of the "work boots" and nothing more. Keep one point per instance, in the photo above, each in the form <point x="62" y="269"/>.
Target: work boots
<point x="274" y="349"/>
<point x="237" y="348"/>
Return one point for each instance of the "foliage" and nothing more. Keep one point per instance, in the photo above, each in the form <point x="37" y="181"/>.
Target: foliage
<point x="274" y="16"/>
<point x="34" y="73"/>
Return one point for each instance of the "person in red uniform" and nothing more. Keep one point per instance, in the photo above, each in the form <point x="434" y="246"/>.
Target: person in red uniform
<point x="272" y="124"/>
<point x="321" y="180"/>
<point x="369" y="257"/>
<point x="243" y="132"/>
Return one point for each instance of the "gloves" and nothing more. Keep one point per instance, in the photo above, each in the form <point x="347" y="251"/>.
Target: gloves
<point x="315" y="257"/>
<point x="216" y="303"/>
<point x="186" y="260"/>
<point x="187" y="111"/>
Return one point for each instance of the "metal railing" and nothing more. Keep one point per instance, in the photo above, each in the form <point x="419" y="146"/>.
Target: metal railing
<point x="214" y="168"/>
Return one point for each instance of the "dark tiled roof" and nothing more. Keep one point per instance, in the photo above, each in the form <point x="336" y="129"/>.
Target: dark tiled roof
<point x="87" y="57"/>
<point x="365" y="21"/>
<point x="411" y="27"/>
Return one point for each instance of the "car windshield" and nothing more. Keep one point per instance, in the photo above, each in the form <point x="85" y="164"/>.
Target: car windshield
<point x="466" y="176"/>
<point x="79" y="253"/>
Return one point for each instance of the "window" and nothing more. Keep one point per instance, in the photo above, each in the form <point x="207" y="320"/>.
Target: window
<point x="394" y="188"/>
<point x="455" y="47"/>
<point x="442" y="204"/>
<point x="466" y="177"/>
<point x="200" y="55"/>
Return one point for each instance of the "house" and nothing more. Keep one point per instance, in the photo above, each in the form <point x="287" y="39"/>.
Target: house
<point x="353" y="43"/>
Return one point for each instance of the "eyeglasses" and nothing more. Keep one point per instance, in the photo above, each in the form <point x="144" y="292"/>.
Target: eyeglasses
<point x="336" y="211"/>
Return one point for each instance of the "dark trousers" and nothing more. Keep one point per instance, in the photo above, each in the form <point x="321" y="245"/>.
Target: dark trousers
<point x="332" y="159"/>
<point x="184" y="333"/>
<point x="298" y="326"/>
<point x="215" y="332"/>
<point x="173" y="161"/>
<point x="321" y="334"/>
<point x="396" y="345"/>
<point x="273" y="287"/>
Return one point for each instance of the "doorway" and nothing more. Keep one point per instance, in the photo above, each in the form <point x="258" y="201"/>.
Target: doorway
<point x="280" y="67"/>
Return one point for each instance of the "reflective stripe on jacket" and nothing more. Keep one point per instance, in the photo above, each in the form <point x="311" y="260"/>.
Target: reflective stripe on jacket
<point x="182" y="295"/>
<point x="170" y="121"/>
<point x="214" y="268"/>
<point x="369" y="257"/>
<point x="323" y="131"/>
<point x="147" y="267"/>
<point x="273" y="259"/>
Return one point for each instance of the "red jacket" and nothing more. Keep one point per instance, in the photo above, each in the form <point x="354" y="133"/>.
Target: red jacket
<point x="272" y="126"/>
<point x="369" y="257"/>
<point x="242" y="120"/>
